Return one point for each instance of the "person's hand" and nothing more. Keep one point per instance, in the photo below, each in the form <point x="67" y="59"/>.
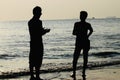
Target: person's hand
<point x="47" y="30"/>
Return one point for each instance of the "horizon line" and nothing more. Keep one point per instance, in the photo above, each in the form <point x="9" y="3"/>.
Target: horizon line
<point x="61" y="19"/>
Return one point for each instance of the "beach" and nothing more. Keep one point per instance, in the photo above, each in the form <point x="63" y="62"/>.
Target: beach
<point x="99" y="73"/>
<point x="59" y="47"/>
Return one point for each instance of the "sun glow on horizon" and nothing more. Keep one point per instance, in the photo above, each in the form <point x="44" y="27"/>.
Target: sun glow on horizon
<point x="56" y="9"/>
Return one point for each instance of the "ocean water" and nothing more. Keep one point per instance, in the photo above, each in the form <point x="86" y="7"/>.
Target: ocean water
<point x="59" y="44"/>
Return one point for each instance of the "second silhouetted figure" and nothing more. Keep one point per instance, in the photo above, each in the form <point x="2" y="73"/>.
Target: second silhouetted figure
<point x="82" y="30"/>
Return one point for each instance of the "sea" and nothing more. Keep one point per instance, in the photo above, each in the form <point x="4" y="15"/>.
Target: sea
<point x="59" y="45"/>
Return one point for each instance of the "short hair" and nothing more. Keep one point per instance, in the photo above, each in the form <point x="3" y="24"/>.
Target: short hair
<point x="36" y="10"/>
<point x="84" y="13"/>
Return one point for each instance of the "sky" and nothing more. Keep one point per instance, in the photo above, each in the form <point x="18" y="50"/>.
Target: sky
<point x="58" y="9"/>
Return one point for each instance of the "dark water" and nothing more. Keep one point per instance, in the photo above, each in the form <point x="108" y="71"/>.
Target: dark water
<point x="58" y="44"/>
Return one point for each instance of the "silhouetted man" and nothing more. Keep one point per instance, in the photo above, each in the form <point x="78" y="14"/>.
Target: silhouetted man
<point x="82" y="30"/>
<point x="36" y="31"/>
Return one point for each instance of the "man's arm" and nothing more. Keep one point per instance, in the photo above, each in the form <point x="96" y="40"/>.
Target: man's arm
<point x="43" y="30"/>
<point x="90" y="31"/>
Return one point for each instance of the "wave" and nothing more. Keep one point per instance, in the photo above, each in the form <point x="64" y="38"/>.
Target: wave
<point x="98" y="54"/>
<point x="49" y="68"/>
<point x="106" y="54"/>
<point x="63" y="56"/>
<point x="7" y="56"/>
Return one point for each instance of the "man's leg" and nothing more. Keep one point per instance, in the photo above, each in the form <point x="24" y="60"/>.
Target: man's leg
<point x="85" y="55"/>
<point x="31" y="72"/>
<point x="85" y="60"/>
<point x="75" y="59"/>
<point x="31" y="62"/>
<point x="37" y="68"/>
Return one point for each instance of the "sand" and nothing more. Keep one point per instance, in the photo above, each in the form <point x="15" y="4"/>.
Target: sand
<point x="103" y="73"/>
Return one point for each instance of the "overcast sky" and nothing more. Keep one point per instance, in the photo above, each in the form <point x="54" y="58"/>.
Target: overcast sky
<point x="58" y="9"/>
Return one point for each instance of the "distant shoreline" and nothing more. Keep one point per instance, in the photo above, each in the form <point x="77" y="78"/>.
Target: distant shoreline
<point x="63" y="19"/>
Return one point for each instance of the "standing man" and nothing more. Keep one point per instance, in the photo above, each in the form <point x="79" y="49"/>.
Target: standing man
<point x="36" y="31"/>
<point x="82" y="30"/>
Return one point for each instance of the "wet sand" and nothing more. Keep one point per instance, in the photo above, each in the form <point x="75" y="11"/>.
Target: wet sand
<point x="102" y="73"/>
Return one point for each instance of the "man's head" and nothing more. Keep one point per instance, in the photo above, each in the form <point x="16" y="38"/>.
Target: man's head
<point x="37" y="11"/>
<point x="83" y="15"/>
